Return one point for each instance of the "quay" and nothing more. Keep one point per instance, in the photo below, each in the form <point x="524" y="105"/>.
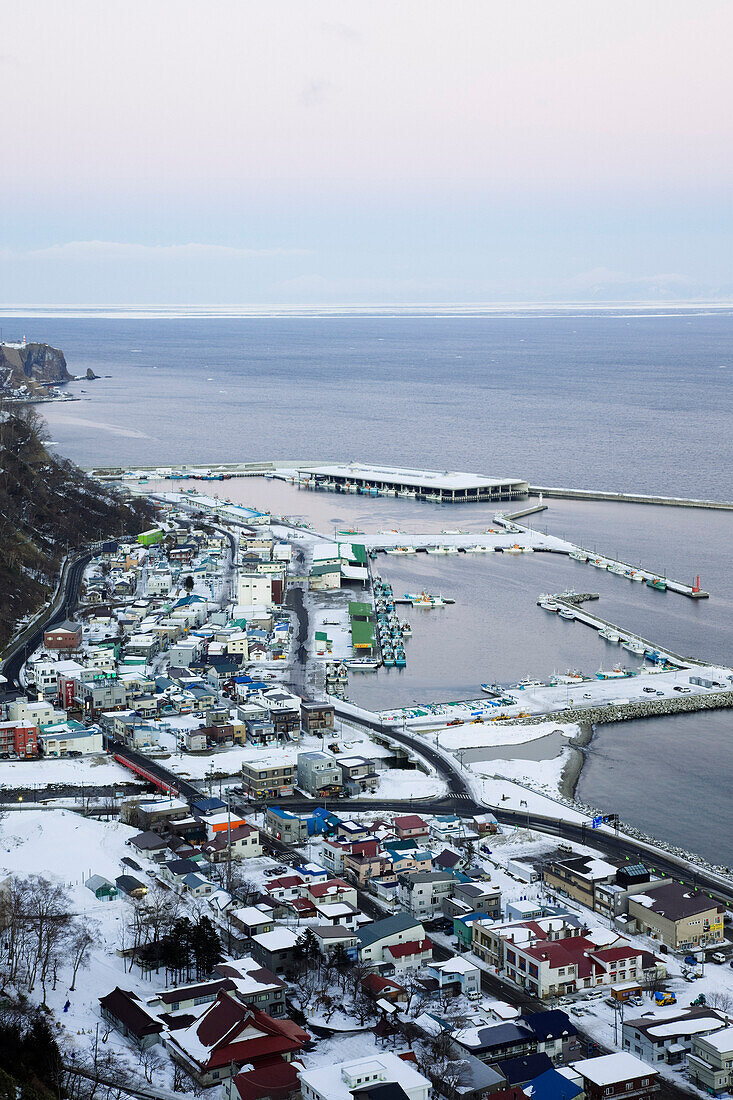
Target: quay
<point x="595" y="621"/>
<point x="628" y="498"/>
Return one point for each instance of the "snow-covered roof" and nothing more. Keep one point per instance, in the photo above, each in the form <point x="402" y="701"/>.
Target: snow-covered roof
<point x="722" y="1041"/>
<point x="611" y="1069"/>
<point x="280" y="939"/>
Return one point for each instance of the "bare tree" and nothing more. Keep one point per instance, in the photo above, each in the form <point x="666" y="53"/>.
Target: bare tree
<point x="80" y="939"/>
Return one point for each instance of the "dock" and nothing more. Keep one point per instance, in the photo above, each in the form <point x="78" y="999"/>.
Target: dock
<point x="595" y="621"/>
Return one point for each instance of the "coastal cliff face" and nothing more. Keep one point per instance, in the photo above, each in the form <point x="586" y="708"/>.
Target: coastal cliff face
<point x="28" y="370"/>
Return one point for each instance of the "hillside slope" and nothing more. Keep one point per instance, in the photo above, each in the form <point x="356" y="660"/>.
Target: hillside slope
<point x="47" y="505"/>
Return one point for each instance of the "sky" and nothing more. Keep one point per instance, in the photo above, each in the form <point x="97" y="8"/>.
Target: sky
<point x="338" y="151"/>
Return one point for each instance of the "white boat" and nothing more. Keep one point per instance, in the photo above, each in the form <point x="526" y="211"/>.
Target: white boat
<point x="633" y="646"/>
<point x="453" y="531"/>
<point x="617" y="568"/>
<point x="548" y="605"/>
<point x="450" y="549"/>
<point x="597" y="563"/>
<point x="566" y="613"/>
<point x="434" y="550"/>
<point x="400" y="550"/>
<point x="578" y="555"/>
<point x="635" y="575"/>
<point x="526" y="683"/>
<point x="609" y="635"/>
<point x="362" y="664"/>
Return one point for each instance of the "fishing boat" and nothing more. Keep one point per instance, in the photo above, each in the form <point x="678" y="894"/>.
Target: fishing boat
<point x="617" y="568"/>
<point x="406" y="629"/>
<point x="547" y="605"/>
<point x="635" y="575"/>
<point x="634" y="646"/>
<point x="362" y="664"/>
<point x="453" y="531"/>
<point x="658" y="583"/>
<point x="566" y="613"/>
<point x="597" y="563"/>
<point x="578" y="555"/>
<point x="609" y="635"/>
<point x="400" y="550"/>
<point x="434" y="550"/>
<point x="618" y="672"/>
<point x="527" y="683"/>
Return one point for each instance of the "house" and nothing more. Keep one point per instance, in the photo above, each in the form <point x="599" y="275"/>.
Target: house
<point x="64" y="738"/>
<point x="130" y="886"/>
<point x="484" y="824"/>
<point x="197" y="886"/>
<point x="149" y="843"/>
<point x="375" y="939"/>
<point x="251" y="921"/>
<point x="19" y="739"/>
<point x="333" y="890"/>
<point x="125" y="1012"/>
<point x="710" y="1062"/>
<point x="553" y="1085"/>
<point x="366" y="1079"/>
<point x="318" y="772"/>
<point x="316" y="718"/>
<point x="332" y="937"/>
<point x="277" y="950"/>
<point x="254" y="984"/>
<point x="229" y="1035"/>
<point x="327" y="575"/>
<point x="409" y="826"/>
<point x="285" y="826"/>
<point x="662" y="1038"/>
<point x="357" y="774"/>
<point x="422" y="893"/>
<point x="473" y="897"/>
<point x="617" y="1075"/>
<point x="263" y="780"/>
<point x="102" y="888"/>
<point x="553" y="1031"/>
<point x="64" y="637"/>
<point x="241" y="842"/>
<point x="496" y="1041"/>
<point x="677" y="915"/>
<point x="387" y="989"/>
<point x="460" y="973"/>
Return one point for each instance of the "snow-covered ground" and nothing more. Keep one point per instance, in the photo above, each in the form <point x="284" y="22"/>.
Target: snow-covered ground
<point x="99" y="770"/>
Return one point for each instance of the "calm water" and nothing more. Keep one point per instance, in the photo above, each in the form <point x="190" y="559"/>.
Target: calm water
<point x="612" y="401"/>
<point x="609" y="401"/>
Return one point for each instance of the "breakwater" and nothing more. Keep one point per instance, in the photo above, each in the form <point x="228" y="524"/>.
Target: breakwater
<point x="628" y="498"/>
<point x="623" y="712"/>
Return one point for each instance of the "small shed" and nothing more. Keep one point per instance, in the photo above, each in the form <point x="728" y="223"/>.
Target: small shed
<point x="131" y="886"/>
<point x="102" y="888"/>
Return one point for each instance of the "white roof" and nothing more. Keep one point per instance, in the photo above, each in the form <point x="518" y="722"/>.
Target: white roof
<point x="280" y="939"/>
<point x="687" y="1027"/>
<point x="330" y="1082"/>
<point x="427" y="479"/>
<point x="722" y="1041"/>
<point x="612" y="1068"/>
<point x="455" y="966"/>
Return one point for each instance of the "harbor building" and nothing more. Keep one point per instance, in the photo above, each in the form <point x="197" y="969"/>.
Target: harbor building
<point x="445" y="488"/>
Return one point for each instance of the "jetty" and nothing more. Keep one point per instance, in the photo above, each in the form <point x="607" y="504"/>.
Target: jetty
<point x="628" y="498"/>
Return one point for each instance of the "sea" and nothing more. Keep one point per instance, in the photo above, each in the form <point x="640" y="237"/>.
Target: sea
<point x="637" y="400"/>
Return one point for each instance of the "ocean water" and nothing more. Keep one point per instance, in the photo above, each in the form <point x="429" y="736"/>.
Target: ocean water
<point x="617" y="400"/>
<point x="611" y="400"/>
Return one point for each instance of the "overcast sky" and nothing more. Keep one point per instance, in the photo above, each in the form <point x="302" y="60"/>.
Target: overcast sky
<point x="366" y="151"/>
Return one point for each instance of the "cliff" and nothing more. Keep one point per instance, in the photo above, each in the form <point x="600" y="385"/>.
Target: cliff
<point x="46" y="505"/>
<point x="29" y="370"/>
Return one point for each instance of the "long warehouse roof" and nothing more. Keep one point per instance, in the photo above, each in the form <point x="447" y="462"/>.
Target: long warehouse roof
<point x="425" y="478"/>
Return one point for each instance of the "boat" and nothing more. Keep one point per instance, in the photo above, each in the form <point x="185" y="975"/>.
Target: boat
<point x="635" y="575"/>
<point x="400" y="550"/>
<point x="618" y="672"/>
<point x="547" y="605"/>
<point x="634" y="646"/>
<point x="453" y="531"/>
<point x="598" y="564"/>
<point x="406" y="629"/>
<point x="617" y="568"/>
<point x="434" y="550"/>
<point x="527" y="683"/>
<point x="566" y="613"/>
<point x="362" y="664"/>
<point x="578" y="555"/>
<point x="658" y="583"/>
<point x="609" y="635"/>
<point x="516" y="549"/>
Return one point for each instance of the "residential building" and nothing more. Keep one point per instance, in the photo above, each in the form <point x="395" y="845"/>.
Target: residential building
<point x="460" y="973"/>
<point x="357" y="774"/>
<point x="317" y="772"/>
<point x="423" y="893"/>
<point x="614" y="1075"/>
<point x="277" y="950"/>
<point x="254" y="589"/>
<point x="70" y="738"/>
<point x="241" y="842"/>
<point x="394" y="944"/>
<point x="255" y="985"/>
<point x="578" y="877"/>
<point x="677" y="915"/>
<point x="124" y="1010"/>
<point x="334" y="936"/>
<point x="473" y="897"/>
<point x="410" y="826"/>
<point x="663" y="1038"/>
<point x="229" y="1035"/>
<point x="316" y="718"/>
<point x="366" y="1078"/>
<point x="496" y="1041"/>
<point x="710" y="1062"/>
<point x="263" y="780"/>
<point x="285" y="826"/>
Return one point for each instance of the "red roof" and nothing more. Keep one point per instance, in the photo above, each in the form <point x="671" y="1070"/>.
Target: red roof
<point x="412" y="947"/>
<point x="218" y="1028"/>
<point x="276" y="1080"/>
<point x="410" y="821"/>
<point x="323" y="889"/>
<point x="376" y="984"/>
<point x="285" y="883"/>
<point x="611" y="954"/>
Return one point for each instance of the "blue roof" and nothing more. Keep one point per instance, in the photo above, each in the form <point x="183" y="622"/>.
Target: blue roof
<point x="552" y="1024"/>
<point x="286" y="815"/>
<point x="518" y="1071"/>
<point x="551" y="1085"/>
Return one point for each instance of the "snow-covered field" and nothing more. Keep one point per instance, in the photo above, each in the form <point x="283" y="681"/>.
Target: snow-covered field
<point x="98" y="770"/>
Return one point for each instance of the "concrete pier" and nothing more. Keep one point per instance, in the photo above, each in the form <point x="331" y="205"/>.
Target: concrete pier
<point x="628" y="498"/>
<point x="590" y="619"/>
